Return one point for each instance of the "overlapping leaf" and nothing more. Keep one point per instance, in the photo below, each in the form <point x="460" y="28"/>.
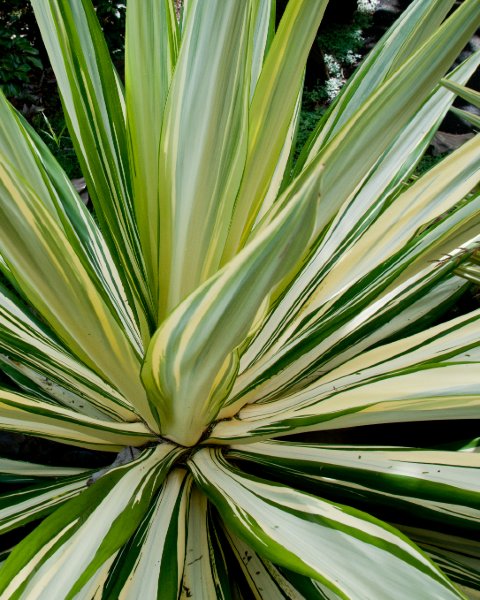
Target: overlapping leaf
<point x="431" y="375"/>
<point x="330" y="543"/>
<point x="86" y="531"/>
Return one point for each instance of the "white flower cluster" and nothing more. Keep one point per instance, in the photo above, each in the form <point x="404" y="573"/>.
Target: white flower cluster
<point x="368" y="6"/>
<point x="336" y="80"/>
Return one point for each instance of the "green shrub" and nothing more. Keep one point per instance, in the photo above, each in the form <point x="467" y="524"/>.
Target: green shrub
<point x="19" y="59"/>
<point x="231" y="310"/>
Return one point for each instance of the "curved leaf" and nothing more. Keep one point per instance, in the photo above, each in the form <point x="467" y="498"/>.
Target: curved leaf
<point x="331" y="543"/>
<point x="67" y="549"/>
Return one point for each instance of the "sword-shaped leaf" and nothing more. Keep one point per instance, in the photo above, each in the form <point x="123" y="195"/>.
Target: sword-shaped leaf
<point x="458" y="557"/>
<point x="94" y="109"/>
<point x="12" y="471"/>
<point x="470" y="117"/>
<point x="151" y="564"/>
<point x="471" y="96"/>
<point x="53" y="278"/>
<point x="36" y="417"/>
<point x="331" y="543"/>
<point x="271" y="112"/>
<point x="265" y="580"/>
<point x="432" y="375"/>
<point x="65" y="551"/>
<point x="404" y="243"/>
<point x="352" y="153"/>
<point x="151" y="50"/>
<point x="41" y="365"/>
<point x="203" y="147"/>
<point x="27" y="153"/>
<point x="19" y="507"/>
<point x="412" y="29"/>
<point x="262" y="30"/>
<point x="437" y="486"/>
<point x="205" y="573"/>
<point x="191" y="361"/>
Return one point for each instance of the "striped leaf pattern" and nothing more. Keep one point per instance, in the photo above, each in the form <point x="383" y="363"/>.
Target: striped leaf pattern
<point x="94" y="106"/>
<point x="439" y="486"/>
<point x="86" y="531"/>
<point x="151" y="564"/>
<point x="239" y="330"/>
<point x="431" y="375"/>
<point x="333" y="537"/>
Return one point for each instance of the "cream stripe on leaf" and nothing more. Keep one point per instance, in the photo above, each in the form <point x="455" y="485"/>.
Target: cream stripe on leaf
<point x="96" y="584"/>
<point x="49" y="272"/>
<point x="388" y="177"/>
<point x="191" y="361"/>
<point x="19" y="507"/>
<point x="471" y="96"/>
<point x="93" y="102"/>
<point x="439" y="486"/>
<point x="36" y="417"/>
<point x="412" y="29"/>
<point x="468" y="116"/>
<point x="265" y="581"/>
<point x="63" y="553"/>
<point x="151" y="49"/>
<point x="401" y="244"/>
<point x="36" y="360"/>
<point x="271" y="112"/>
<point x="432" y="375"/>
<point x="458" y="557"/>
<point x="21" y="471"/>
<point x="203" y="146"/>
<point x="333" y="544"/>
<point x="151" y="564"/>
<point x="28" y="154"/>
<point x="350" y="156"/>
<point x="262" y="30"/>
<point x="351" y="223"/>
<point x="206" y="573"/>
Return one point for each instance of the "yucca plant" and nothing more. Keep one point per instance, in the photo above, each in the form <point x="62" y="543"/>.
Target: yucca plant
<point x="223" y="299"/>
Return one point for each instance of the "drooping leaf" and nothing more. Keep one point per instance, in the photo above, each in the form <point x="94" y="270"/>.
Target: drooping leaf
<point x="432" y="375"/>
<point x="437" y="486"/>
<point x="86" y="531"/>
<point x="46" y="420"/>
<point x="330" y="543"/>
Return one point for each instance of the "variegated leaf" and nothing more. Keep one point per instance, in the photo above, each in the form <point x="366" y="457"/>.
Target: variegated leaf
<point x="151" y="50"/>
<point x="328" y="542"/>
<point x="272" y="110"/>
<point x="63" y="553"/>
<point x="21" y="506"/>
<point x="403" y="247"/>
<point x="419" y="485"/>
<point x="191" y="361"/>
<point x="93" y="102"/>
<point x="203" y="147"/>
<point x="206" y="574"/>
<point x="432" y="375"/>
<point x="413" y="28"/>
<point x="42" y="366"/>
<point x="36" y="417"/>
<point x="49" y="272"/>
<point x="151" y="564"/>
